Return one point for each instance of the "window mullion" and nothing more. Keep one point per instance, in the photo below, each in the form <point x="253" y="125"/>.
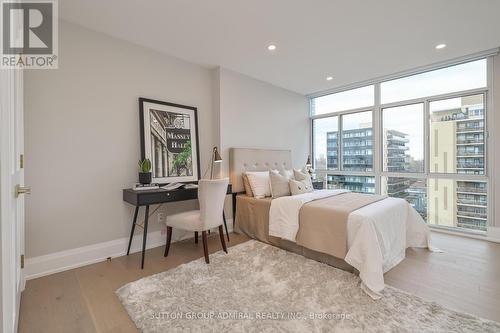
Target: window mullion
<point x="377" y="140"/>
<point x="427" y="139"/>
<point x="489" y="116"/>
<point x="340" y="141"/>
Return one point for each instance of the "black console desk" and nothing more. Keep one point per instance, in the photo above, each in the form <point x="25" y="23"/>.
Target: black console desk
<point x="158" y="196"/>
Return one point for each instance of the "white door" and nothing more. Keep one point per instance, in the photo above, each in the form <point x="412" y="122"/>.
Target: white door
<point x="11" y="201"/>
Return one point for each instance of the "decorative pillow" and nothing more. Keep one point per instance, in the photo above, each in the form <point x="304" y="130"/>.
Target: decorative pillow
<point x="246" y="184"/>
<point x="302" y="177"/>
<point x="279" y="185"/>
<point x="288" y="173"/>
<point x="259" y="183"/>
<point x="297" y="187"/>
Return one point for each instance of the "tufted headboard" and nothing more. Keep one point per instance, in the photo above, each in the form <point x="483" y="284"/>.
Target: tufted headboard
<point x="252" y="159"/>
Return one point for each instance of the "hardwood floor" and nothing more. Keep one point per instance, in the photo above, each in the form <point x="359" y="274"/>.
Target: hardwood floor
<point x="466" y="278"/>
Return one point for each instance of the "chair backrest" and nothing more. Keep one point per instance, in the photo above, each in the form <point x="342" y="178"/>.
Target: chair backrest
<point x="211" y="195"/>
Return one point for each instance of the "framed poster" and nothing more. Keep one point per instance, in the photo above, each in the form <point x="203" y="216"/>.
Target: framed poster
<point x="169" y="138"/>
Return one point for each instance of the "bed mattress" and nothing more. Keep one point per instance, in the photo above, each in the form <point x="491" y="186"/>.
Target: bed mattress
<point x="252" y="219"/>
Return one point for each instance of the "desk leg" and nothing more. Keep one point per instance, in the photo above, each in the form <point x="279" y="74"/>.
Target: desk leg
<point x="234" y="209"/>
<point x="145" y="235"/>
<point x="133" y="229"/>
<point x="225" y="224"/>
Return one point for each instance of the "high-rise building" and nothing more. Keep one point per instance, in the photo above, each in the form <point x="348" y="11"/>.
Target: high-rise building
<point x="395" y="151"/>
<point x="357" y="156"/>
<point x="332" y="151"/>
<point x="358" y="149"/>
<point x="457" y="146"/>
<point x="397" y="159"/>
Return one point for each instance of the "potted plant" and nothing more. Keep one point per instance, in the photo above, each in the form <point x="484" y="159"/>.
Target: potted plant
<point x="145" y="171"/>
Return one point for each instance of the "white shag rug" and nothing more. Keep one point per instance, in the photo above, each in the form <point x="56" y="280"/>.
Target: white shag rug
<point x="261" y="288"/>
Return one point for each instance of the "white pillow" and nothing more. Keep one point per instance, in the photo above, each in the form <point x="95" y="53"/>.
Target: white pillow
<point x="288" y="173"/>
<point x="303" y="177"/>
<point x="259" y="182"/>
<point x="279" y="185"/>
<point x="298" y="187"/>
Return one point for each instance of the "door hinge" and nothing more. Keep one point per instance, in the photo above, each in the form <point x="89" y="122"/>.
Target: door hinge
<point x="21" y="161"/>
<point x="22" y="261"/>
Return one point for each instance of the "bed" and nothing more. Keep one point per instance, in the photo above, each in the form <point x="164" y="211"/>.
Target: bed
<point x="369" y="237"/>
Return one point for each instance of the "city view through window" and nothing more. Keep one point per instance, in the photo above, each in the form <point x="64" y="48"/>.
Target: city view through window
<point x="412" y="167"/>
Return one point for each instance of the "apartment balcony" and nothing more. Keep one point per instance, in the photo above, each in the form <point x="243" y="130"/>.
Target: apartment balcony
<point x="397" y="180"/>
<point x="363" y="168"/>
<point x="481" y="216"/>
<point x="397" y="139"/>
<point x="396" y="161"/>
<point x="470" y="154"/>
<point x="471" y="189"/>
<point x="397" y="147"/>
<point x="348" y="153"/>
<point x="471" y="202"/>
<point x="470" y="166"/>
<point x="357" y="145"/>
<point x="469" y="141"/>
<point x="357" y="135"/>
<point x="398" y="194"/>
<point x="358" y="163"/>
<point x="359" y="182"/>
<point x="474" y="224"/>
<point x="471" y="129"/>
<point x="395" y="189"/>
<point x="392" y="165"/>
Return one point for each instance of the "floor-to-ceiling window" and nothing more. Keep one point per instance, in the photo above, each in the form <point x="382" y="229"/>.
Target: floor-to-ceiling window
<point x="421" y="137"/>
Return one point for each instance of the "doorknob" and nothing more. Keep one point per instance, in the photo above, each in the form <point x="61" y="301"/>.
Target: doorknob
<point x="22" y="190"/>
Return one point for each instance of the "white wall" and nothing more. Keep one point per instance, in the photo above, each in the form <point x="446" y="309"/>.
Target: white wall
<point x="82" y="135"/>
<point x="82" y="132"/>
<point x="257" y="114"/>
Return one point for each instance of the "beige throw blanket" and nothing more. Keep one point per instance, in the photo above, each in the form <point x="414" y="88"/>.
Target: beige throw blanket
<point x="323" y="222"/>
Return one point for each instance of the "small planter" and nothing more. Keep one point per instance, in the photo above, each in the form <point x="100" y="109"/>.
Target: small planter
<point x="145" y="177"/>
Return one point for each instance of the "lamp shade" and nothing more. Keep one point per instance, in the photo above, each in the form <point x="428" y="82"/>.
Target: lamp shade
<point x="308" y="162"/>
<point x="216" y="156"/>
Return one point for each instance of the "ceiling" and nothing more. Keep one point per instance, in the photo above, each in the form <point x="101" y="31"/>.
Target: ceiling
<point x="350" y="40"/>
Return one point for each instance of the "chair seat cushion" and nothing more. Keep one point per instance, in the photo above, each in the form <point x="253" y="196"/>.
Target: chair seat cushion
<point x="190" y="221"/>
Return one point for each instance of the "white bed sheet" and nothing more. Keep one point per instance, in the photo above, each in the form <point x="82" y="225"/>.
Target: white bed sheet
<point x="378" y="234"/>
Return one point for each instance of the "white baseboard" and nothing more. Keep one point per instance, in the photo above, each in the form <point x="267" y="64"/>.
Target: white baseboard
<point x="61" y="261"/>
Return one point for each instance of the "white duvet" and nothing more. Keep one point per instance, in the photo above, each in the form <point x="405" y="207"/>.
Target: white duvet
<point x="377" y="234"/>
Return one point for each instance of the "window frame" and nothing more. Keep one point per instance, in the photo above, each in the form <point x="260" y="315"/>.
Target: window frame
<point x="340" y="141"/>
<point x="377" y="126"/>
<point x="424" y="140"/>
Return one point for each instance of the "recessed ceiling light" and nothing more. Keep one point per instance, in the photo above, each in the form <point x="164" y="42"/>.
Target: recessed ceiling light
<point x="440" y="46"/>
<point x="271" y="47"/>
<point x="329" y="78"/>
